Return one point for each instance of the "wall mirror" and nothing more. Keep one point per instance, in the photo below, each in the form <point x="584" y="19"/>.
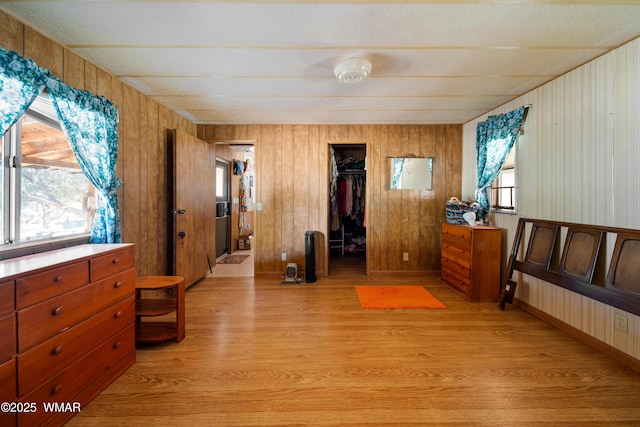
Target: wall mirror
<point x="410" y="173"/>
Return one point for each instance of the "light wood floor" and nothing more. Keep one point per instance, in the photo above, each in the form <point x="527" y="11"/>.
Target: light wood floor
<point x="244" y="269"/>
<point x="258" y="353"/>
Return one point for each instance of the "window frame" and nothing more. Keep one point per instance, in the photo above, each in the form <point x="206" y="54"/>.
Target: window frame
<point x="497" y="187"/>
<point x="11" y="244"/>
<point x="10" y="205"/>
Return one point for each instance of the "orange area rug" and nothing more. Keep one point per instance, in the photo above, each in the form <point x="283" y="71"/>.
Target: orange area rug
<point x="396" y="297"/>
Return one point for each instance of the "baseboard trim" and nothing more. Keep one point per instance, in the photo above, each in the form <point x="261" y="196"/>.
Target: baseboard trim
<point x="620" y="356"/>
<point x="375" y="273"/>
<point x="412" y="273"/>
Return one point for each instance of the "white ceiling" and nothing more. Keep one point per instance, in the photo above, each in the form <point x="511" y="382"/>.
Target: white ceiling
<point x="434" y="62"/>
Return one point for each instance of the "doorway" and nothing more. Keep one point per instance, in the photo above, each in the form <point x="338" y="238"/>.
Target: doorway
<point x="223" y="209"/>
<point x="235" y="193"/>
<point x="347" y="209"/>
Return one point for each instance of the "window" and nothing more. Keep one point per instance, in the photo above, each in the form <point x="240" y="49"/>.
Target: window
<point x="503" y="189"/>
<point x="221" y="181"/>
<point x="45" y="194"/>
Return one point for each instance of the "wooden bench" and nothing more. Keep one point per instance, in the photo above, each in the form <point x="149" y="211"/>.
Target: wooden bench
<point x="574" y="256"/>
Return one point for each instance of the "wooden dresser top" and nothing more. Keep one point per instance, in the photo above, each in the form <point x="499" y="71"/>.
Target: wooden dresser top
<point x="31" y="263"/>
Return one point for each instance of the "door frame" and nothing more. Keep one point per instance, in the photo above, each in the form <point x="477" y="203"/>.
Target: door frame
<point x="367" y="202"/>
<point x="226" y="198"/>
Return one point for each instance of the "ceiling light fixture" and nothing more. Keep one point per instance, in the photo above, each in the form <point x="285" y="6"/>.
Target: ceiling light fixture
<point x="353" y="70"/>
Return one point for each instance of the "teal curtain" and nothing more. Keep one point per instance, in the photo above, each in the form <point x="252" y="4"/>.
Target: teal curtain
<point x="90" y="124"/>
<point x="21" y="81"/>
<point x="494" y="140"/>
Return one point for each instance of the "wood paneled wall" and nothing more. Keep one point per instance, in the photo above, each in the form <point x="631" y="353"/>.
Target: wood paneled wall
<point x="291" y="173"/>
<point x="292" y="185"/>
<point x="143" y="162"/>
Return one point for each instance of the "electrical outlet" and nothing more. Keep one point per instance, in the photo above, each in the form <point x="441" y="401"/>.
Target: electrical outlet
<point x="283" y="256"/>
<point x="620" y="322"/>
<point x="405" y="256"/>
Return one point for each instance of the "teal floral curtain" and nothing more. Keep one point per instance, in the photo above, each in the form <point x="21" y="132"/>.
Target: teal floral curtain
<point x="21" y="81"/>
<point x="494" y="140"/>
<point x="90" y="124"/>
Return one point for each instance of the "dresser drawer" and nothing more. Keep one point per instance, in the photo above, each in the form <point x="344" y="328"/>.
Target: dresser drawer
<point x="461" y="256"/>
<point x="114" y="262"/>
<point x="68" y="384"/>
<point x="8" y="381"/>
<point x="460" y="234"/>
<point x="8" y="419"/>
<point x="457" y="275"/>
<point x="7" y="337"/>
<point x="52" y="356"/>
<point x="461" y="283"/>
<point x="448" y="241"/>
<point x="7" y="298"/>
<point x="8" y="391"/>
<point x="37" y="287"/>
<point x="454" y="267"/>
<point x="42" y="321"/>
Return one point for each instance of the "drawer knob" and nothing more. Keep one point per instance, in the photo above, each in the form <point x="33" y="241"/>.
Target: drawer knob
<point x="57" y="310"/>
<point x="118" y="315"/>
<point x="117" y="285"/>
<point x="58" y="279"/>
<point x="117" y="345"/>
<point x="57" y="389"/>
<point x="116" y="260"/>
<point x="57" y="350"/>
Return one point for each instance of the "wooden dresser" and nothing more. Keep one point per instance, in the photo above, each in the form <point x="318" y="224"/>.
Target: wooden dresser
<point x="471" y="260"/>
<point x="67" y="324"/>
<point x="8" y="389"/>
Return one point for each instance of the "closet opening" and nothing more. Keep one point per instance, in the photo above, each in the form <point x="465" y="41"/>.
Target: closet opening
<point x="347" y="209"/>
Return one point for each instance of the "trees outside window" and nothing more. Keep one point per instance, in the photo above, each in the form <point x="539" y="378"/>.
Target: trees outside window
<point x="45" y="194"/>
